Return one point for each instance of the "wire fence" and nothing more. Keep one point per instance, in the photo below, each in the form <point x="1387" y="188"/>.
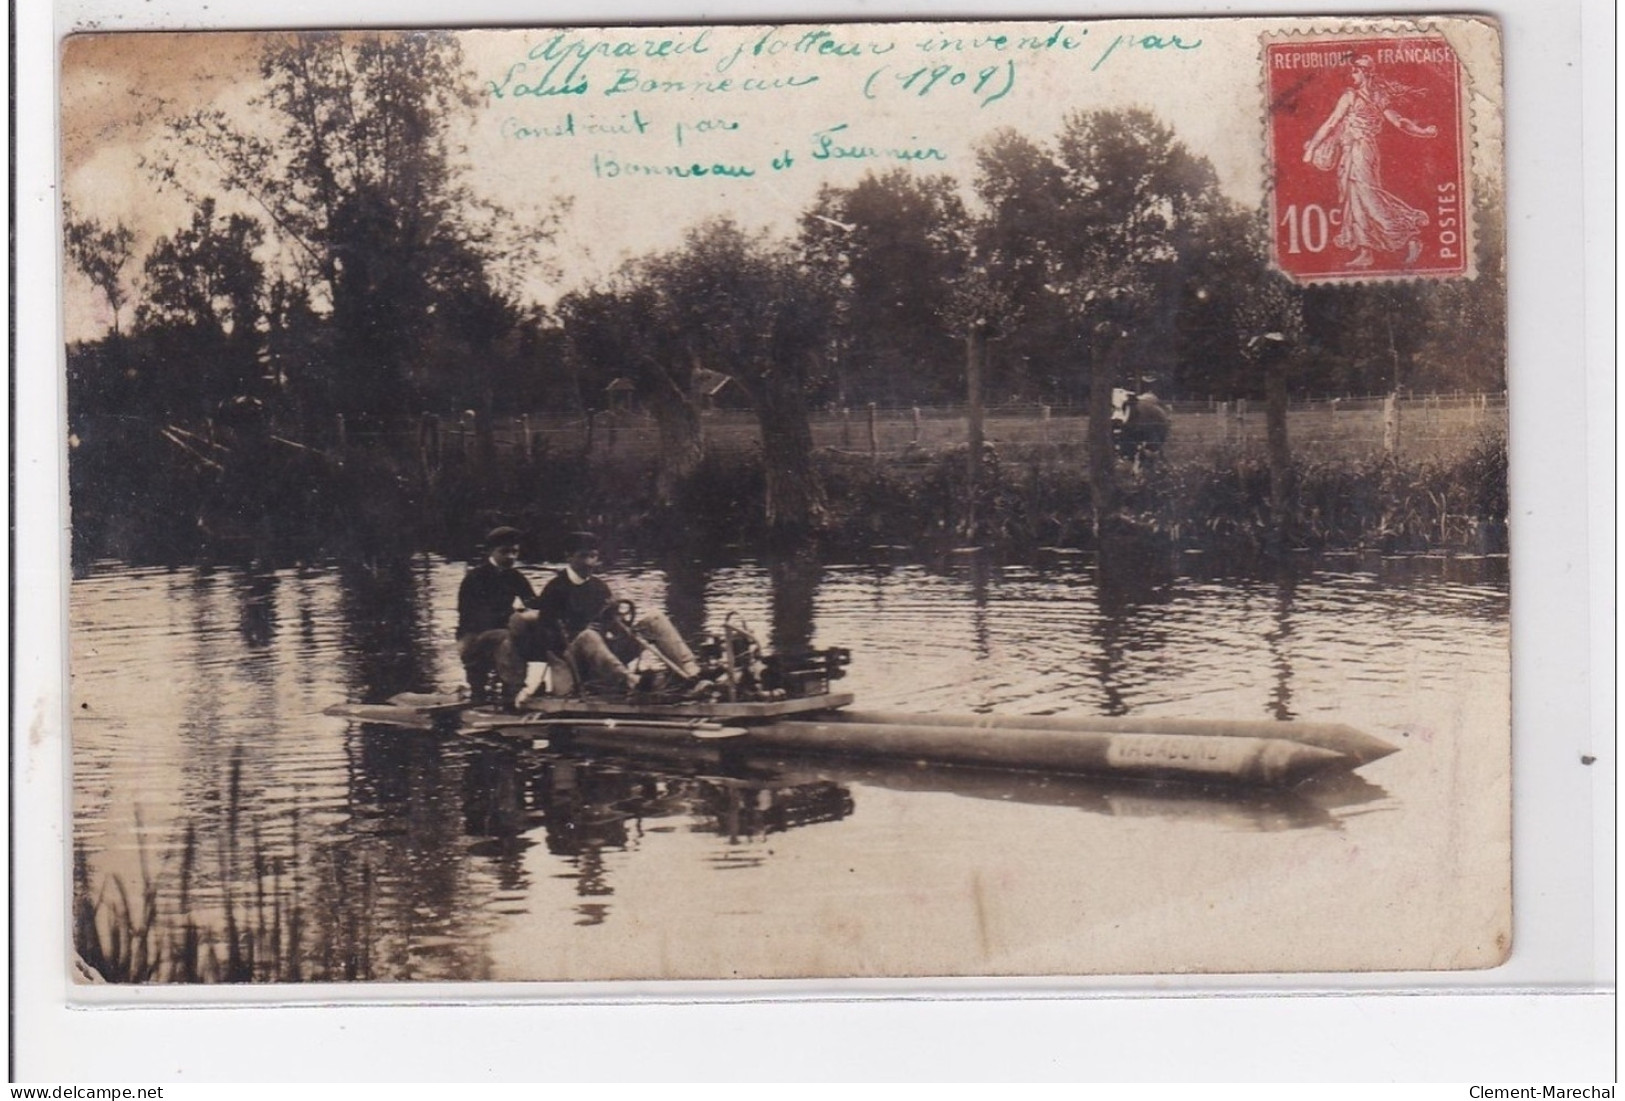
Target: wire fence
<point x="1422" y="426"/>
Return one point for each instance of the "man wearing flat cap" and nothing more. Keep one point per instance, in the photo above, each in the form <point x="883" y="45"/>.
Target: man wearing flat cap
<point x="493" y="595"/>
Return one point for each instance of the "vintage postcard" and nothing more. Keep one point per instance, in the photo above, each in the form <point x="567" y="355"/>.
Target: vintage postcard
<point x="778" y="502"/>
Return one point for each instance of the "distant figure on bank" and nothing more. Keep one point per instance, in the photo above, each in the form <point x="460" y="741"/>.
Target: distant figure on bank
<point x="491" y="612"/>
<point x="1140" y="424"/>
<point x="588" y="635"/>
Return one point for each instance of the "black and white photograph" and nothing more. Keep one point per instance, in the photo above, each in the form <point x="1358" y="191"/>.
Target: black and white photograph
<point x="802" y="501"/>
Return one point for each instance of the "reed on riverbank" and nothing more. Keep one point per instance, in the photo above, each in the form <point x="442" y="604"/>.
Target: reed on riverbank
<point x="1379" y="503"/>
<point x="256" y="928"/>
<point x="299" y="506"/>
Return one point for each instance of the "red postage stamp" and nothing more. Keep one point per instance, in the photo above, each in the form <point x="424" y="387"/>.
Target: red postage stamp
<point x="1368" y="149"/>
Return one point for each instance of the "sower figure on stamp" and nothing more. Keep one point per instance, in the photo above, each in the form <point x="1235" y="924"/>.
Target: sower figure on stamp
<point x="592" y="638"/>
<point x="1370" y="218"/>
<point x="492" y="623"/>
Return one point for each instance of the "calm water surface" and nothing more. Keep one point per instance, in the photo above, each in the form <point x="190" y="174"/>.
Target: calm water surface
<point x="383" y="854"/>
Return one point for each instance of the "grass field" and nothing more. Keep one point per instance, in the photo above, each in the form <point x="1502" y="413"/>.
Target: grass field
<point x="1429" y="428"/>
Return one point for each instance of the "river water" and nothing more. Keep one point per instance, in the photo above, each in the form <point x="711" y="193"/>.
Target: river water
<point x="205" y="769"/>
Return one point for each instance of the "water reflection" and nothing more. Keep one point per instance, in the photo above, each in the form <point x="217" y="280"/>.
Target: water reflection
<point x="794" y="577"/>
<point x="800" y="790"/>
<point x="589" y="807"/>
<point x="1133" y="578"/>
<point x="405" y="825"/>
<point x="1277" y="638"/>
<point x="1133" y="572"/>
<point x="338" y="851"/>
<point x="686" y="581"/>
<point x="385" y="624"/>
<point x="257" y="620"/>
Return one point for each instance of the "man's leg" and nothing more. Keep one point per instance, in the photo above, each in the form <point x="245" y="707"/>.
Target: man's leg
<point x="664" y="637"/>
<point x="561" y="679"/>
<point x="527" y="643"/>
<point x="529" y="639"/>
<point x="511" y="670"/>
<point x="478" y="652"/>
<point x="598" y="665"/>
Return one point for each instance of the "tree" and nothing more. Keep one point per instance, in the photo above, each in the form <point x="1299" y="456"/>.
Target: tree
<point x="204" y="303"/>
<point x="891" y="246"/>
<point x="1270" y="323"/>
<point x="1368" y="333"/>
<point x="1022" y="188"/>
<point x="350" y="158"/>
<point x="1465" y="347"/>
<point x="980" y="309"/>
<point x="1103" y="230"/>
<point x="749" y="307"/>
<point x="101" y="253"/>
<point x="206" y="276"/>
<point x="468" y="339"/>
<point x="1203" y="354"/>
<point x="634" y="327"/>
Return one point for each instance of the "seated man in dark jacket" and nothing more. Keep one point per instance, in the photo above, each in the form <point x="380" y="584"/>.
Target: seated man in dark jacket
<point x="587" y="637"/>
<point x="491" y="623"/>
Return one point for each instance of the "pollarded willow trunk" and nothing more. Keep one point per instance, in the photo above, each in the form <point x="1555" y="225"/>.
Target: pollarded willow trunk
<point x="975" y="360"/>
<point x="682" y="443"/>
<point x="1103" y="495"/>
<point x="1280" y="450"/>
<point x="795" y="502"/>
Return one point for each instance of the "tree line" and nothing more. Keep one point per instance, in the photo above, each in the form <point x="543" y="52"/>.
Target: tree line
<point x="1104" y="255"/>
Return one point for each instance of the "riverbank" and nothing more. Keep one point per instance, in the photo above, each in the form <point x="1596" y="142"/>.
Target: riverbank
<point x="137" y="497"/>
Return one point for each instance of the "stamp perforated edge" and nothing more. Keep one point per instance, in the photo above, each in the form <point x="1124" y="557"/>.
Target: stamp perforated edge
<point x="1479" y="114"/>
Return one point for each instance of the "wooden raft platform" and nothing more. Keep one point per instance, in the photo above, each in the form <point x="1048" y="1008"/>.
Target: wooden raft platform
<point x="761" y="710"/>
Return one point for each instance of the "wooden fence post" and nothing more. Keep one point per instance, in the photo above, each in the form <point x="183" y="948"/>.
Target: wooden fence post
<point x="916" y="424"/>
<point x="846" y="428"/>
<point x="429" y="443"/>
<point x="1043" y="430"/>
<point x="874" y="436"/>
<point x="340" y="438"/>
<point x="1390" y="423"/>
<point x="527" y="439"/>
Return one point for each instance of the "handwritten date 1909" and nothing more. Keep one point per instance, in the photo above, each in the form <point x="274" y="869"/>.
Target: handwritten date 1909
<point x="990" y="83"/>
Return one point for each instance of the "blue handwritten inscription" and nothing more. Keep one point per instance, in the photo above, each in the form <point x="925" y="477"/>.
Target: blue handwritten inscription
<point x="1151" y="42"/>
<point x="572" y="125"/>
<point x="816" y="43"/>
<point x="836" y="144"/>
<point x="554" y="78"/>
<point x="1058" y="39"/>
<point x="704" y="126"/>
<point x="556" y="66"/>
<point x="697" y="72"/>
<point x="631" y="80"/>
<point x="989" y="83"/>
<point x="607" y="167"/>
